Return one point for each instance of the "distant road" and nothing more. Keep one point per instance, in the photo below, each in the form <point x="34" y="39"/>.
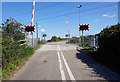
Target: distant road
<point x="60" y="61"/>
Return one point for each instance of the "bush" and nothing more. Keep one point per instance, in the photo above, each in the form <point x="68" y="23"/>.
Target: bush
<point x="109" y="47"/>
<point x="56" y="39"/>
<point x="13" y="55"/>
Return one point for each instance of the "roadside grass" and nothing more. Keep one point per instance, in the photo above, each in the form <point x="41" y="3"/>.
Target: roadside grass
<point x="88" y="49"/>
<point x="36" y="47"/>
<point x="11" y="64"/>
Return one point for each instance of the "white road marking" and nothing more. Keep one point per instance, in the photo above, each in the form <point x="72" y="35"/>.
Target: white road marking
<point x="61" y="67"/>
<point x="66" y="65"/>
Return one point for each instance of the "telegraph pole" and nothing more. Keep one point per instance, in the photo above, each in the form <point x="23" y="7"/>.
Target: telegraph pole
<point x="68" y="29"/>
<point x="37" y="30"/>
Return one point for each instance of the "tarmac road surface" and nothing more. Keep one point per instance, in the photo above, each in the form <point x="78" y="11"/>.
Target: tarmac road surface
<point x="60" y="61"/>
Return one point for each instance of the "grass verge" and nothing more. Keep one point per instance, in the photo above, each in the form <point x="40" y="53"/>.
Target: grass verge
<point x="13" y="59"/>
<point x="88" y="49"/>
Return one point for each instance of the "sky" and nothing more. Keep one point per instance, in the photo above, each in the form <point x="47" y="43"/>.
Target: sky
<point x="51" y="16"/>
<point x="61" y="0"/>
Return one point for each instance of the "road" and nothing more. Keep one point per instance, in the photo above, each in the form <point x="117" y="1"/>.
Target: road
<point x="60" y="61"/>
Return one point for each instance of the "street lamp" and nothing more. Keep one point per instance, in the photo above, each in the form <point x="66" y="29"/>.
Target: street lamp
<point x="79" y="19"/>
<point x="79" y="12"/>
<point x="79" y="6"/>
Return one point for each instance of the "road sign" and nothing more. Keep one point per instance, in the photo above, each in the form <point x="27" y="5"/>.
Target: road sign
<point x="29" y="28"/>
<point x="67" y="35"/>
<point x="44" y="35"/>
<point x="83" y="27"/>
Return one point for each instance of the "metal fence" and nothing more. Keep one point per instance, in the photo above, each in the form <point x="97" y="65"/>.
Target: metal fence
<point x="90" y="40"/>
<point x="33" y="42"/>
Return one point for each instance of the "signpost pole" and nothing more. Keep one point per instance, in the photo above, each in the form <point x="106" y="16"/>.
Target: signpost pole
<point x="32" y="39"/>
<point x="82" y="38"/>
<point x="84" y="28"/>
<point x="44" y="39"/>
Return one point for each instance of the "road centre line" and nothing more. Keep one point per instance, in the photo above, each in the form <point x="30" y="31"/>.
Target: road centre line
<point x="66" y="65"/>
<point x="61" y="67"/>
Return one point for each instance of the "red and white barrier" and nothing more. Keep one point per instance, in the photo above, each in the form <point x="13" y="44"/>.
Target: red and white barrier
<point x="33" y="12"/>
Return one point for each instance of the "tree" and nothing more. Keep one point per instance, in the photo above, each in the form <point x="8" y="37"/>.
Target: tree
<point x="54" y="39"/>
<point x="13" y="29"/>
